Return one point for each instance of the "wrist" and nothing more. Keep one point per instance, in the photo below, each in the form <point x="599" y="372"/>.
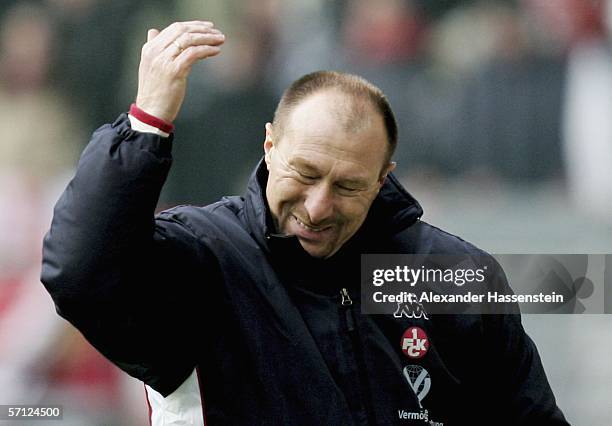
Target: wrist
<point x="151" y="120"/>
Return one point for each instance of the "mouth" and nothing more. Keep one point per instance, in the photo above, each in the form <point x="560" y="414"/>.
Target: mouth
<point x="309" y="227"/>
<point x="311" y="233"/>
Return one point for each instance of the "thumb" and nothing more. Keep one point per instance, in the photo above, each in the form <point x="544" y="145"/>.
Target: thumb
<point x="152" y="33"/>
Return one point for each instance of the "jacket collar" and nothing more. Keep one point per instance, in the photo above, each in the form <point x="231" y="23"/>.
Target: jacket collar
<point x="393" y="210"/>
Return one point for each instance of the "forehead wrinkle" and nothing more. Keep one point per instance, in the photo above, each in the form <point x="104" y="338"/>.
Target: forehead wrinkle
<point x="305" y="144"/>
<point x="304" y="152"/>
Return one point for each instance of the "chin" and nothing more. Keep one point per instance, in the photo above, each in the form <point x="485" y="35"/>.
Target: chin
<point x="316" y="251"/>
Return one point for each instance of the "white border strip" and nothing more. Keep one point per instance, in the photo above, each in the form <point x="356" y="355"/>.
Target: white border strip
<point x="182" y="407"/>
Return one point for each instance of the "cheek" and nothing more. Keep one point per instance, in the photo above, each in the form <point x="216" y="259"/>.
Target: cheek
<point x="284" y="190"/>
<point x="354" y="210"/>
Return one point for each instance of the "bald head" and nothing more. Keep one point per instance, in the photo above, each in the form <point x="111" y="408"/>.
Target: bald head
<point x="360" y="103"/>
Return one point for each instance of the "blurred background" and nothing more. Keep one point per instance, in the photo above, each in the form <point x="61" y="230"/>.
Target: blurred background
<point x="505" y="115"/>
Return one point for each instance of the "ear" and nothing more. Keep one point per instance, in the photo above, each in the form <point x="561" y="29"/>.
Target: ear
<point x="268" y="144"/>
<point x="383" y="176"/>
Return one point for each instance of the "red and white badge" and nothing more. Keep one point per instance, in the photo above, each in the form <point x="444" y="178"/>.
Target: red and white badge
<point x="415" y="342"/>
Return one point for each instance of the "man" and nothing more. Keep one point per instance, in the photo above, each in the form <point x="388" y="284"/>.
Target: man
<point x="247" y="311"/>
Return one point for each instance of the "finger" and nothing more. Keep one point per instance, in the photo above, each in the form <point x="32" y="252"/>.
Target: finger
<point x="173" y="43"/>
<point x="197" y="39"/>
<point x="151" y="34"/>
<point x="190" y="56"/>
<point x="187" y="40"/>
<point x="173" y="31"/>
<point x="197" y="22"/>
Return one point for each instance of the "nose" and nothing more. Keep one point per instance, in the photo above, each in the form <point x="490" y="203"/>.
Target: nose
<point x="319" y="203"/>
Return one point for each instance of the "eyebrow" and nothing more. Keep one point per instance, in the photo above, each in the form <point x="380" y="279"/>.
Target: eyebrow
<point x="303" y="164"/>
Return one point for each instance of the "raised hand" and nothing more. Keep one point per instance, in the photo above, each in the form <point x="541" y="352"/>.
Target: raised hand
<point x="166" y="61"/>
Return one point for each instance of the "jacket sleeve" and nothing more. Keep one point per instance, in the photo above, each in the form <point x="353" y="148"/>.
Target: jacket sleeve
<point x="124" y="279"/>
<point x="522" y="393"/>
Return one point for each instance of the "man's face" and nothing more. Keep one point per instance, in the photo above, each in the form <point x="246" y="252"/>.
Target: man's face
<point x="324" y="176"/>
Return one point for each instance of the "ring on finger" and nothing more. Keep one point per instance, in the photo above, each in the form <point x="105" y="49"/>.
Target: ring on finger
<point x="178" y="45"/>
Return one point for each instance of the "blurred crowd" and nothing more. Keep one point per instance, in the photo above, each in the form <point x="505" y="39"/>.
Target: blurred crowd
<point x="503" y="92"/>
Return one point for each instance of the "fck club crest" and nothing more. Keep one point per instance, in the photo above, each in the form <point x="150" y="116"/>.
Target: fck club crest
<point x="415" y="343"/>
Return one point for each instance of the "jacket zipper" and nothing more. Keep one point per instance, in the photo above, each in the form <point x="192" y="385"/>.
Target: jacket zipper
<point x="347" y="305"/>
<point x="347" y="302"/>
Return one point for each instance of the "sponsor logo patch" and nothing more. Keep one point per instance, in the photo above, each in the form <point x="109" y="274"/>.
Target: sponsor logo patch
<point x="419" y="380"/>
<point x="415" y="342"/>
<point x="410" y="310"/>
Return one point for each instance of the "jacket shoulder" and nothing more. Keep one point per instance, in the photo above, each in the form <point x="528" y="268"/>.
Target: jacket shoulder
<point x="423" y="237"/>
<point x="214" y="221"/>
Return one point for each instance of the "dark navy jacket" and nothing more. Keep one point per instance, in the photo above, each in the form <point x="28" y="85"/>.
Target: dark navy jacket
<point x="264" y="323"/>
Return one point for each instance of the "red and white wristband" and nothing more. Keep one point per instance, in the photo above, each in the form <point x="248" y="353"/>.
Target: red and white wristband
<point x="142" y="121"/>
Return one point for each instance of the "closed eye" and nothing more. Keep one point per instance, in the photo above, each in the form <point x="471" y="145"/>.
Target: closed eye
<point x="306" y="177"/>
<point x="347" y="189"/>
